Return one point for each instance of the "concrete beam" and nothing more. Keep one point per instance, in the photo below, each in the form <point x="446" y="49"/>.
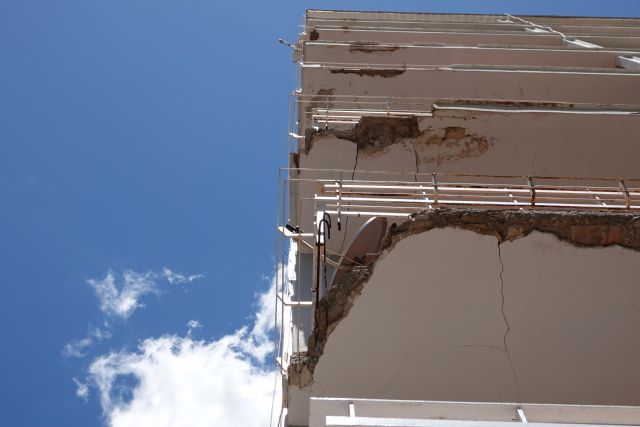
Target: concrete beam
<point x="460" y="38"/>
<point x="342" y="52"/>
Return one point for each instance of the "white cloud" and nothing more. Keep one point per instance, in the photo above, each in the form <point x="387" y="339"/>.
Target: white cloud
<point x="193" y="325"/>
<point x="82" y="390"/>
<point x="177" y="278"/>
<point x="78" y="348"/>
<point x="258" y="343"/>
<point x="180" y="381"/>
<point x="122" y="301"/>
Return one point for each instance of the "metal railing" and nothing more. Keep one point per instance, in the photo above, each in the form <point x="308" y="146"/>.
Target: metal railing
<point x="400" y="195"/>
<point x="322" y="111"/>
<point x="402" y="198"/>
<point x="330" y="412"/>
<point x="325" y="111"/>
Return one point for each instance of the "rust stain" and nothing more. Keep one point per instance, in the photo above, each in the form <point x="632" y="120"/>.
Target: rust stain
<point x="510" y="103"/>
<point x="369" y="47"/>
<point x="323" y="96"/>
<point x="451" y="143"/>
<point x="295" y="160"/>
<point x="374" y="134"/>
<point x="601" y="235"/>
<point x="370" y="72"/>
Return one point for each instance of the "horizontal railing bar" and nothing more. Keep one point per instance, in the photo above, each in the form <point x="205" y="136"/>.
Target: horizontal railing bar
<point x="446" y="174"/>
<point x="407" y="208"/>
<point x="489" y="187"/>
<point x="368" y="199"/>
<point x="335" y="212"/>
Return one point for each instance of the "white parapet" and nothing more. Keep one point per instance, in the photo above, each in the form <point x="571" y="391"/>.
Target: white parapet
<point x="333" y="412"/>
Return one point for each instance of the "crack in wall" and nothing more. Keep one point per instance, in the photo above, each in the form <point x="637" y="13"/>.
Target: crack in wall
<point x="404" y="362"/>
<point x="578" y="228"/>
<point x="417" y="160"/>
<point x="506" y="322"/>
<point x="346" y="221"/>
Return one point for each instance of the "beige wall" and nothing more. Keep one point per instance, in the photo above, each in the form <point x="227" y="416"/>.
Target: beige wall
<point x="433" y="321"/>
<point x="433" y="330"/>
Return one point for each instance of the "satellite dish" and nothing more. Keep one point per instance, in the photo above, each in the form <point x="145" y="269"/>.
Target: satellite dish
<point x="367" y="240"/>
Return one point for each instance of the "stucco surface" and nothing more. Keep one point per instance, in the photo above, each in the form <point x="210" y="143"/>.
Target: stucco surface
<point x="451" y="315"/>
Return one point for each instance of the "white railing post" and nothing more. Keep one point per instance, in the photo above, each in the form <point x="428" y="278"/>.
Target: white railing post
<point x="434" y="181"/>
<point x="532" y="191"/>
<point x="627" y="196"/>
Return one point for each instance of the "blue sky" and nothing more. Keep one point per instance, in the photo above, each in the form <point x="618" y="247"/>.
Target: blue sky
<point x="137" y="136"/>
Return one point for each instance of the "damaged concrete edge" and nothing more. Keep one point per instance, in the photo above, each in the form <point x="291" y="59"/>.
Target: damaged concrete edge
<point x="371" y="132"/>
<point x="581" y="229"/>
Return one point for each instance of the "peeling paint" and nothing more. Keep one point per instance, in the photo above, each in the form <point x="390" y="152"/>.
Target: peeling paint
<point x="322" y="98"/>
<point x="451" y="143"/>
<point x="370" y="72"/>
<point x="369" y="47"/>
<point x="502" y="102"/>
<point x="431" y="145"/>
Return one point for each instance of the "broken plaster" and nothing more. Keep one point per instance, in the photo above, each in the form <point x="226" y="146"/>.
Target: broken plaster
<point x="578" y="228"/>
<point x="373" y="134"/>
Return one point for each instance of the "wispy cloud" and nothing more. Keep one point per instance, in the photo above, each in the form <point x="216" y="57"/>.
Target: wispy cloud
<point x="121" y="298"/>
<point x="178" y="381"/>
<point x="78" y="348"/>
<point x="177" y="278"/>
<point x="82" y="389"/>
<point x="193" y="325"/>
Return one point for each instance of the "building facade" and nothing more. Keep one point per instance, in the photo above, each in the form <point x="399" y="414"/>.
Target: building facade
<point x="461" y="221"/>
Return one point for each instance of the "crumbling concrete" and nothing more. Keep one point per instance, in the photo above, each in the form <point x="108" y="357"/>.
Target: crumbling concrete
<point x="432" y="145"/>
<point x="438" y="146"/>
<point x="332" y="308"/>
<point x="578" y="228"/>
<point x="370" y="134"/>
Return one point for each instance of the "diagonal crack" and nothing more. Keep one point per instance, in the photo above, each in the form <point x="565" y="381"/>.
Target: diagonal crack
<point x="415" y="154"/>
<point x="346" y="220"/>
<point x="506" y="321"/>
<point x="395" y="376"/>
